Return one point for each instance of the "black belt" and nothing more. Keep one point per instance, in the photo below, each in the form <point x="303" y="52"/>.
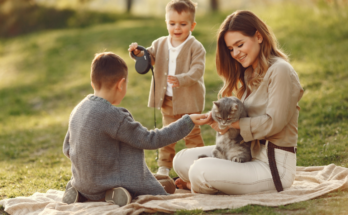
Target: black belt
<point x="272" y="162"/>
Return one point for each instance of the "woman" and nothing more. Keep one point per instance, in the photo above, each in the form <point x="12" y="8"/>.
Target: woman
<point x="258" y="73"/>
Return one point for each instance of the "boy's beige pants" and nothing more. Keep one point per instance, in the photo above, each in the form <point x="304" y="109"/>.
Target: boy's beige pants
<point x="194" y="139"/>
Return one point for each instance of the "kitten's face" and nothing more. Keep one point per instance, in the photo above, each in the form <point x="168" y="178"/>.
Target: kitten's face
<point x="225" y="112"/>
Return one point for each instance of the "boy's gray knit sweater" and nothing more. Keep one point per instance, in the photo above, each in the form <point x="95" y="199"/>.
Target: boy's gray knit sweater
<point x="106" y="148"/>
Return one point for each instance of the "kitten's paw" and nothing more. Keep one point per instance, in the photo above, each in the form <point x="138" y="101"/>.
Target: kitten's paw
<point x="237" y="159"/>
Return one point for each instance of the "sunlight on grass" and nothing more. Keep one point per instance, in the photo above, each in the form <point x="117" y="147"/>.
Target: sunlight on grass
<point x="10" y="74"/>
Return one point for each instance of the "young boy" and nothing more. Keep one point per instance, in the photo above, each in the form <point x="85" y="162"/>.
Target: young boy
<point x="106" y="145"/>
<point x="179" y="61"/>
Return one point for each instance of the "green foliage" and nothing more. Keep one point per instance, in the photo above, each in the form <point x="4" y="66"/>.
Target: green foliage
<point x="22" y="17"/>
<point x="249" y="209"/>
<point x="190" y="212"/>
<point x="44" y="75"/>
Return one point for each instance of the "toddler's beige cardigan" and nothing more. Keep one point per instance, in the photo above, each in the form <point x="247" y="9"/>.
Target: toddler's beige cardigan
<point x="190" y="65"/>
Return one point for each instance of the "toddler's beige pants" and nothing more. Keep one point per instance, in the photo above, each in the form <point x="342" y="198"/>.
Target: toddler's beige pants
<point x="194" y="139"/>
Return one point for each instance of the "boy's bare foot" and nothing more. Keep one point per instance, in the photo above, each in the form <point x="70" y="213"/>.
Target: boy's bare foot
<point x="182" y="184"/>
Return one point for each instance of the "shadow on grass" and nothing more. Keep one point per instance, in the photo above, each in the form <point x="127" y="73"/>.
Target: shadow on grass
<point x="2" y="211"/>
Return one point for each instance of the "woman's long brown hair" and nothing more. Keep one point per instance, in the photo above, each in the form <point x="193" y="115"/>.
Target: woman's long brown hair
<point x="230" y="70"/>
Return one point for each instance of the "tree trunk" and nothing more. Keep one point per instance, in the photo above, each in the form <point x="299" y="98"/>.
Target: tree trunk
<point x="214" y="5"/>
<point x="129" y="5"/>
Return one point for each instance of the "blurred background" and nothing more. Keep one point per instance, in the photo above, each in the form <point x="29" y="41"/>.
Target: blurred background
<point x="46" y="49"/>
<point x="24" y="16"/>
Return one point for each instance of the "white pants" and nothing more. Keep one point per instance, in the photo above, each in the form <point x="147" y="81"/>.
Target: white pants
<point x="211" y="175"/>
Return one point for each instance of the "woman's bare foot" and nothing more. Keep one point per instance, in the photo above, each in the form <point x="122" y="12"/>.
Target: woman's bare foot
<point x="182" y="184"/>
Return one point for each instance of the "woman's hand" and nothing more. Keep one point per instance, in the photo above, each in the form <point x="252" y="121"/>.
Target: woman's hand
<point x="215" y="126"/>
<point x="235" y="125"/>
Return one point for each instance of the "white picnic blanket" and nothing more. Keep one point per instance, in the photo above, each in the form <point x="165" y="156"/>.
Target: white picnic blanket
<point x="310" y="182"/>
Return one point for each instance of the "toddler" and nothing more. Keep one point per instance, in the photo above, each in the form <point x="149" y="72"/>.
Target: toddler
<point x="179" y="61"/>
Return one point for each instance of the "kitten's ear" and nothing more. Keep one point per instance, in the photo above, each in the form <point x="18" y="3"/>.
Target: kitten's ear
<point x="234" y="107"/>
<point x="217" y="104"/>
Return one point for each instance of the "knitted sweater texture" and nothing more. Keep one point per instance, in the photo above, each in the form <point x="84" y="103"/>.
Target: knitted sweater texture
<point x="106" y="148"/>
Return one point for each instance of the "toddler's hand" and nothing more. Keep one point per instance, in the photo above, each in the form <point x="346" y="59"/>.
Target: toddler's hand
<point x="200" y="119"/>
<point x="173" y="80"/>
<point x="133" y="48"/>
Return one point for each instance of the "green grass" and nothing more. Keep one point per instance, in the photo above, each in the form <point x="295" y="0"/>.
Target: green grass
<point x="44" y="75"/>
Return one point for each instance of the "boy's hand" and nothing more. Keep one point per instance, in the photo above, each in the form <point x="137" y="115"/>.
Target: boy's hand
<point x="133" y="48"/>
<point x="200" y="119"/>
<point x="173" y="80"/>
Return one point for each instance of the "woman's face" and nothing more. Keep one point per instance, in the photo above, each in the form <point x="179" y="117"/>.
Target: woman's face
<point x="244" y="49"/>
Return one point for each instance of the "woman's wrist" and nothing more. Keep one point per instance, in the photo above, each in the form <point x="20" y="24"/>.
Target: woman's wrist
<point x="235" y="125"/>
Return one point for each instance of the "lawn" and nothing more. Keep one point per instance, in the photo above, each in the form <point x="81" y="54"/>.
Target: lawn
<point x="44" y="75"/>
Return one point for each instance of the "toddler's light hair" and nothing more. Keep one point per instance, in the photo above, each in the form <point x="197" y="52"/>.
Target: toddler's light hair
<point x="182" y="5"/>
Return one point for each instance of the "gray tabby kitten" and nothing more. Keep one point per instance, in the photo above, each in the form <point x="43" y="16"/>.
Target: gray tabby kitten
<point x="230" y="146"/>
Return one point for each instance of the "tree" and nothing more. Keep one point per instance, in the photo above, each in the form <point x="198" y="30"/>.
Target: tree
<point x="129" y="5"/>
<point x="214" y="5"/>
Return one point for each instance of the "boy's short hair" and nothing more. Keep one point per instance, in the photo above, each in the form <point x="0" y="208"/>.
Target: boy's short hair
<point x="107" y="69"/>
<point x="182" y="5"/>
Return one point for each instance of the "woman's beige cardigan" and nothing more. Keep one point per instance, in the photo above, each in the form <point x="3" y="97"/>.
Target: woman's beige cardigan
<point x="273" y="107"/>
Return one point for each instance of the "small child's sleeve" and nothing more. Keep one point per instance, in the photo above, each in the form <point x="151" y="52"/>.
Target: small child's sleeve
<point x="136" y="135"/>
<point x="197" y="67"/>
<point x="66" y="145"/>
<point x="152" y="51"/>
